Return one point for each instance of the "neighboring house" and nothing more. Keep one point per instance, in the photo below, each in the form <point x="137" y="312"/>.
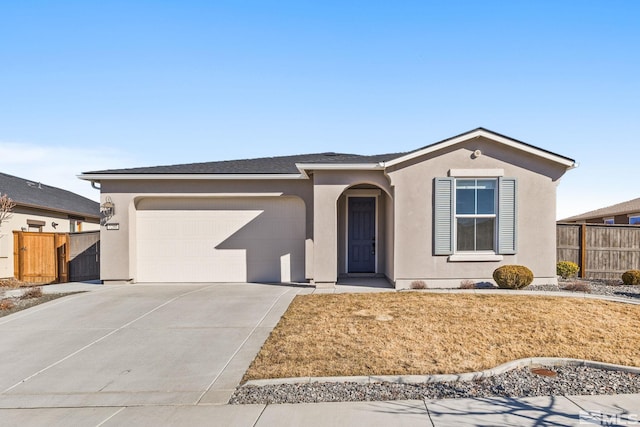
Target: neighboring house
<point x="42" y="208"/>
<point x="453" y="210"/>
<point x="622" y="213"/>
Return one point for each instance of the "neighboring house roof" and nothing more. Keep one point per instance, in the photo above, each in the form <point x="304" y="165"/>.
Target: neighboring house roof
<point x="628" y="207"/>
<point x="34" y="194"/>
<point x="295" y="165"/>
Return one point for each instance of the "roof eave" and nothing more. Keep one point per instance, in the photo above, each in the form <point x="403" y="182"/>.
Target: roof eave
<point x="97" y="177"/>
<point x="564" y="161"/>
<point x="302" y="167"/>
<point x="598" y="215"/>
<point x="305" y="167"/>
<point x="62" y="211"/>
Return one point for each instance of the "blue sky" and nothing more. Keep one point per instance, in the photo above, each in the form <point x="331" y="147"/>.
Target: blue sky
<point x="88" y="85"/>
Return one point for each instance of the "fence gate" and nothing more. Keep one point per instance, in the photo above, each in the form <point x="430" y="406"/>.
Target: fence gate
<point x="41" y="257"/>
<point x="84" y="256"/>
<point x="56" y="257"/>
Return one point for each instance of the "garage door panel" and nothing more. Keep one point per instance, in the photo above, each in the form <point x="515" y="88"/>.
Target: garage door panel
<point x="224" y="240"/>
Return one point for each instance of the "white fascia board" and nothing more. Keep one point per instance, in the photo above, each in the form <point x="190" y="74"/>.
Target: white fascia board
<point x="184" y="176"/>
<point x="481" y="133"/>
<point x="339" y="166"/>
<point x="302" y="167"/>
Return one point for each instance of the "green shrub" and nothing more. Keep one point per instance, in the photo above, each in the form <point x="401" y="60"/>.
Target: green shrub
<point x="566" y="269"/>
<point x="631" y="277"/>
<point x="512" y="276"/>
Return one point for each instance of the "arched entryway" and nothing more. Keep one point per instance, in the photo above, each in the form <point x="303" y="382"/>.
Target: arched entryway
<point x="365" y="232"/>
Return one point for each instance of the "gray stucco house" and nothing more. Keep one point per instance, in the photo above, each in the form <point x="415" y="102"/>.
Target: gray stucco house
<point x="453" y="210"/>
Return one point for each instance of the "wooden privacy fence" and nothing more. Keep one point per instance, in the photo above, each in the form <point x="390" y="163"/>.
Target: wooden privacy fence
<point x="56" y="257"/>
<point x="601" y="251"/>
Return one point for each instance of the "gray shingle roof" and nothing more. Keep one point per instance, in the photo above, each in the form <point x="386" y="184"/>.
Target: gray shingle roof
<point x="263" y="165"/>
<point x="25" y="192"/>
<point x="628" y="207"/>
<point x="284" y="164"/>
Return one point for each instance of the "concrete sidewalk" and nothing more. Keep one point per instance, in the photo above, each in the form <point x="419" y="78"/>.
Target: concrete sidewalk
<point x="536" y="411"/>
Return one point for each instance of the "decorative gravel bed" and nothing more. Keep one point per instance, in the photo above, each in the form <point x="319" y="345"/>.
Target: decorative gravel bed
<point x="521" y="382"/>
<point x="608" y="288"/>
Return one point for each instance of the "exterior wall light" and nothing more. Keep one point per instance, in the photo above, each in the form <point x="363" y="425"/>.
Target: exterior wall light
<point x="107" y="209"/>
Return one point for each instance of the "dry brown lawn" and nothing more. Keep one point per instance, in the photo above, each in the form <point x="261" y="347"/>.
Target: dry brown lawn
<point x="423" y="333"/>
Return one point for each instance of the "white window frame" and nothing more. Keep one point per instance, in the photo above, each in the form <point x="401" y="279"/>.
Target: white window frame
<point x="494" y="215"/>
<point x="634" y="216"/>
<point x="35" y="225"/>
<point x="463" y="256"/>
<point x="612" y="219"/>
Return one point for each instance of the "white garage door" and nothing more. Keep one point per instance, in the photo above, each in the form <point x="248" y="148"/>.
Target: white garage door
<point x="220" y="240"/>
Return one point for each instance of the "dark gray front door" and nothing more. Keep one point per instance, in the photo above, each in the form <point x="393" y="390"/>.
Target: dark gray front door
<point x="362" y="235"/>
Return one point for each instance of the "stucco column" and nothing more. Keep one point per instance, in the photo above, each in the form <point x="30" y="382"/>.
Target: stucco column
<point x="115" y="243"/>
<point x="328" y="186"/>
<point x="325" y="232"/>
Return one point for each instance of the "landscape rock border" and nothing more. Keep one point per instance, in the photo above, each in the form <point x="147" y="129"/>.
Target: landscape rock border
<point x="532" y="362"/>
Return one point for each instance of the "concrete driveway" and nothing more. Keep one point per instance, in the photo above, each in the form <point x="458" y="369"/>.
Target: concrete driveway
<point x="171" y="355"/>
<point x="136" y="345"/>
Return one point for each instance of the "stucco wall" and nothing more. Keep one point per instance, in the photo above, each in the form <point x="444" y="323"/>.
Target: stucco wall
<point x="323" y="190"/>
<point x="536" y="210"/>
<point x="405" y="214"/>
<point x="328" y="187"/>
<point x="118" y="247"/>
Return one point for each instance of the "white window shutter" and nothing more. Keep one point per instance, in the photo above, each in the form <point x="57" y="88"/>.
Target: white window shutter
<point x="507" y="216"/>
<point x="443" y="216"/>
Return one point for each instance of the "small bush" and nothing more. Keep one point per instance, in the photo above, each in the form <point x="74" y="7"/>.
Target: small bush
<point x="513" y="276"/>
<point x="419" y="284"/>
<point x="631" y="277"/>
<point x="567" y="269"/>
<point x="578" y="287"/>
<point x="6" y="304"/>
<point x="32" y="292"/>
<point x="467" y="284"/>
